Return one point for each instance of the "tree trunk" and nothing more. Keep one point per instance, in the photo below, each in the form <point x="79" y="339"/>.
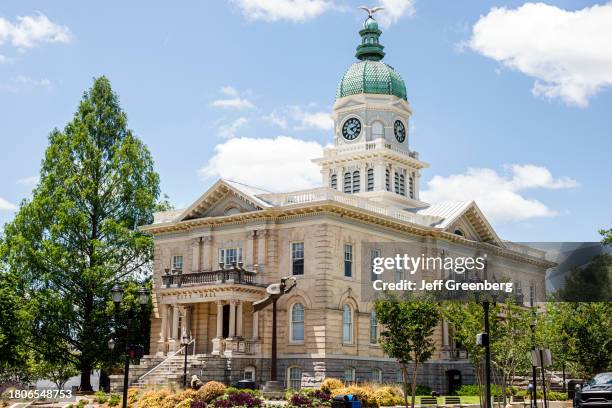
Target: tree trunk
<point x="414" y="378"/>
<point x="86" y="376"/>
<point x="405" y="378"/>
<point x="87" y="334"/>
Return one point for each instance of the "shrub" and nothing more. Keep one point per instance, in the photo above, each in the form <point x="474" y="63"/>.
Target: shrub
<point x="100" y="397"/>
<point x="210" y="391"/>
<point x="153" y="399"/>
<point x="364" y="393"/>
<point x="82" y="403"/>
<point x="556" y="396"/>
<point x="308" y="398"/>
<point x="198" y="404"/>
<point x="189" y="393"/>
<point x="234" y="390"/>
<point x="238" y="399"/>
<point x="186" y="403"/>
<point x="386" y="396"/>
<point x="114" y="400"/>
<point x="133" y="395"/>
<point x="330" y="384"/>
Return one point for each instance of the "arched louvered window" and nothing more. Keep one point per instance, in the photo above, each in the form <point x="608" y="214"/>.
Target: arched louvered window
<point x="356" y="181"/>
<point x="402" y="184"/>
<point x="333" y="182"/>
<point x="411" y="186"/>
<point x="396" y="183"/>
<point x="387" y="180"/>
<point x="370" y="179"/>
<point x="347" y="182"/>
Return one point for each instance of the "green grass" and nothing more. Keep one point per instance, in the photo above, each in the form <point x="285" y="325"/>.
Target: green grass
<point x="469" y="399"/>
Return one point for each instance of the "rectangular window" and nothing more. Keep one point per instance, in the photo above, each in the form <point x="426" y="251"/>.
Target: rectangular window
<point x="349" y="375"/>
<point x="374" y="253"/>
<point x="370" y="179"/>
<point x="348" y="260"/>
<point x="177" y="262"/>
<point x="297" y="258"/>
<point x="229" y="256"/>
<point x="373" y="328"/>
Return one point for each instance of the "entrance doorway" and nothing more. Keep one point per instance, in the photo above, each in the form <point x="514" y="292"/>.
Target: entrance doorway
<point x="454" y="380"/>
<point x="226" y="320"/>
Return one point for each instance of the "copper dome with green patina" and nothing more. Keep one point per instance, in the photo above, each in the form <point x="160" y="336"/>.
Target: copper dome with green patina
<point x="370" y="74"/>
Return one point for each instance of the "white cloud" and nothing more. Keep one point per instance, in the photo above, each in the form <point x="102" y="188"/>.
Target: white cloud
<point x="394" y="10"/>
<point x="301" y="118"/>
<point x="567" y="52"/>
<point x="31" y="31"/>
<point x="234" y="100"/>
<point x="498" y="195"/>
<point x="227" y="131"/>
<point x="275" y="10"/>
<point x="277" y="164"/>
<point x="32" y="82"/>
<point x="6" y="205"/>
<point x="28" y="181"/>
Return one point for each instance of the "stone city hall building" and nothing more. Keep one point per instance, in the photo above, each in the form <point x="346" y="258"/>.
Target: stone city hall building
<point x="214" y="259"/>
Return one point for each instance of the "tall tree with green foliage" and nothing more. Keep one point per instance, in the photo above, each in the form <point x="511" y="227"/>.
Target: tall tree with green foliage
<point x="78" y="234"/>
<point x="407" y="329"/>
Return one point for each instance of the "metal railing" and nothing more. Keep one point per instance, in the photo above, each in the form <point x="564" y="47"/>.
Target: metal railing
<point x="167" y="359"/>
<point x="238" y="276"/>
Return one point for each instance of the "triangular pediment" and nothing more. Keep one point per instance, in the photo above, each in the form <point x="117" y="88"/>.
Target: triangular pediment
<point x="223" y="198"/>
<point x="472" y="223"/>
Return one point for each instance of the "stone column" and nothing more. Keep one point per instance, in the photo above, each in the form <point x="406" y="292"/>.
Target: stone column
<point x="249" y="253"/>
<point x="175" y="322"/>
<point x="219" y="319"/>
<point x="262" y="236"/>
<point x="363" y="178"/>
<point x="163" y="332"/>
<point x="195" y="255"/>
<point x="379" y="176"/>
<point x="445" y="333"/>
<point x="232" y="319"/>
<point x="239" y="319"/>
<point x="187" y="320"/>
<point x="255" y="325"/>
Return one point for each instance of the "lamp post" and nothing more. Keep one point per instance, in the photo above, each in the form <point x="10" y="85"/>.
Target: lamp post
<point x="185" y="342"/>
<point x="143" y="298"/>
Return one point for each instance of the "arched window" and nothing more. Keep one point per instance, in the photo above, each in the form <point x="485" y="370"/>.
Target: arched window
<point x="349" y="375"/>
<point x="333" y="181"/>
<point x="387" y="180"/>
<point x="377" y="375"/>
<point x="347" y="182"/>
<point x="373" y="327"/>
<point x="356" y="181"/>
<point x="294" y="378"/>
<point x="402" y="185"/>
<point x="378" y="130"/>
<point x="297" y="322"/>
<point x="347" y="324"/>
<point x="370" y="179"/>
<point x="411" y="186"/>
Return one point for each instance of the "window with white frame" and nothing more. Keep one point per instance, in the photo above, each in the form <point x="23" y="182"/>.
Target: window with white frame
<point x="333" y="181"/>
<point x="297" y="258"/>
<point x="373" y="327"/>
<point x="249" y="373"/>
<point x="349" y="375"/>
<point x="377" y="375"/>
<point x="348" y="260"/>
<point x="297" y="322"/>
<point x="347" y="324"/>
<point x="177" y="262"/>
<point x="374" y="253"/>
<point x="294" y="378"/>
<point x="229" y="256"/>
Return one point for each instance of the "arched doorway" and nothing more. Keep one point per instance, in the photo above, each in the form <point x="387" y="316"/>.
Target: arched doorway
<point x="453" y="378"/>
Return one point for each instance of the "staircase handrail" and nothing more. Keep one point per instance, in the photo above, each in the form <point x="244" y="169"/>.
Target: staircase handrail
<point x="166" y="359"/>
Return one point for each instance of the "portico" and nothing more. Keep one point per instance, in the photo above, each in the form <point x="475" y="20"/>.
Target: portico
<point x="216" y="314"/>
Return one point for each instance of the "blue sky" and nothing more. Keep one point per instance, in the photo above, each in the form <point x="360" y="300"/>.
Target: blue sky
<point x="512" y="102"/>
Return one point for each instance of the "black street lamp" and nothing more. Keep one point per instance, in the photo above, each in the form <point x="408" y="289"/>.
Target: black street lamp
<point x="143" y="298"/>
<point x="185" y="340"/>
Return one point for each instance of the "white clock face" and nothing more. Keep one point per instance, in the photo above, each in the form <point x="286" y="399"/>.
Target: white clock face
<point x="351" y="129"/>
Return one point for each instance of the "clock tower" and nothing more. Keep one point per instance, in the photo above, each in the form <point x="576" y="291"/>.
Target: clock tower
<point x="371" y="155"/>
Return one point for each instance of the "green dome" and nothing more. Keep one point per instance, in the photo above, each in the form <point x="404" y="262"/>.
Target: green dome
<point x="374" y="77"/>
<point x="370" y="24"/>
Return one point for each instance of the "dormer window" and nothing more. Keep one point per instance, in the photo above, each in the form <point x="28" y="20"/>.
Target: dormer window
<point x="459" y="232"/>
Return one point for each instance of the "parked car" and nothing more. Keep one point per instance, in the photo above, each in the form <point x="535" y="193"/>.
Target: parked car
<point x="597" y="393"/>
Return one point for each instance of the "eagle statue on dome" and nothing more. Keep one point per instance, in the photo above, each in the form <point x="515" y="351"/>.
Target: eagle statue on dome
<point x="372" y="10"/>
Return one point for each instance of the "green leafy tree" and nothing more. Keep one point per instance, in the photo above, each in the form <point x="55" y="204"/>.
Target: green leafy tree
<point x="78" y="234"/>
<point x="407" y="329"/>
<point x="607" y="236"/>
<point x="592" y="283"/>
<point x="57" y="372"/>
